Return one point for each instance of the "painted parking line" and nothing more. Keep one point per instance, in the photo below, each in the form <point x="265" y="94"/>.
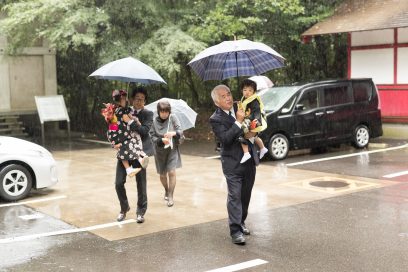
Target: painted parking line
<point x="393" y="175"/>
<point x="213" y="157"/>
<point x="32" y="201"/>
<point x="61" y="232"/>
<point x="240" y="266"/>
<point x="348" y="155"/>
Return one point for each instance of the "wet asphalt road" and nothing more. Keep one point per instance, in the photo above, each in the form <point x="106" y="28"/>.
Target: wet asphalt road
<point x="362" y="230"/>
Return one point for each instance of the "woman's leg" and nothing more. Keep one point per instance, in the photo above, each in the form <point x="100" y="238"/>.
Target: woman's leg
<point x="163" y="179"/>
<point x="172" y="186"/>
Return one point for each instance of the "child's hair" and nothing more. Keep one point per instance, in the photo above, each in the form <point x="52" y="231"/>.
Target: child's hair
<point x="117" y="94"/>
<point x="248" y="83"/>
<point x="163" y="106"/>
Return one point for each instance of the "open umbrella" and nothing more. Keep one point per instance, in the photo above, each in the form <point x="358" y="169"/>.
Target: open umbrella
<point x="235" y="59"/>
<point x="128" y="70"/>
<point x="262" y="82"/>
<point x="186" y="115"/>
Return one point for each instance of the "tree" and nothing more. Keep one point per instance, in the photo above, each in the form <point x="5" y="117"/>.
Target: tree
<point x="168" y="51"/>
<point x="63" y="23"/>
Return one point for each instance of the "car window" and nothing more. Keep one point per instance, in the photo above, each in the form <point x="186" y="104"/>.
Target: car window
<point x="336" y="95"/>
<point x="274" y="98"/>
<point x="288" y="105"/>
<point x="309" y="99"/>
<point x="362" y="91"/>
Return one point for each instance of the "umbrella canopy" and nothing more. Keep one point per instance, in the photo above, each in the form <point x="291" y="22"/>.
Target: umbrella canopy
<point x="186" y="115"/>
<point x="234" y="59"/>
<point x="128" y="70"/>
<point x="262" y="82"/>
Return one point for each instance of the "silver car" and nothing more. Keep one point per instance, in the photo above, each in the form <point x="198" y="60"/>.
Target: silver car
<point x="23" y="166"/>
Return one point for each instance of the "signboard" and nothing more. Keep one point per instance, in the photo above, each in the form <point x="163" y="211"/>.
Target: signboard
<point x="51" y="108"/>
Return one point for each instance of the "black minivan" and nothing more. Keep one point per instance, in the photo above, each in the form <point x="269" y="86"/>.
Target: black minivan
<point x="320" y="114"/>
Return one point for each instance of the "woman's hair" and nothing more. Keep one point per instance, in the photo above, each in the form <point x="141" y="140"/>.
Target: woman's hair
<point x="116" y="94"/>
<point x="163" y="106"/>
<point x="248" y="83"/>
<point x="139" y="89"/>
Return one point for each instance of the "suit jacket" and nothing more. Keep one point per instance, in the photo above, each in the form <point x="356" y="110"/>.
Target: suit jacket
<point x="227" y="132"/>
<point x="146" y="119"/>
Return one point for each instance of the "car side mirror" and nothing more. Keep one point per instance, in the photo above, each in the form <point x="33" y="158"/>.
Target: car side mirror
<point x="299" y="107"/>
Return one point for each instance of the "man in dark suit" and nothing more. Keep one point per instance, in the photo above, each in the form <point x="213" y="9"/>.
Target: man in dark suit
<point x="142" y="126"/>
<point x="226" y="125"/>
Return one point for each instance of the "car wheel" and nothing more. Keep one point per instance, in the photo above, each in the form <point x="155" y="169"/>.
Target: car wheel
<point x="16" y="182"/>
<point x="278" y="147"/>
<point x="361" y="136"/>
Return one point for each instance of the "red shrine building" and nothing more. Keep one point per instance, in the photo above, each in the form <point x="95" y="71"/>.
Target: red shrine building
<point x="377" y="32"/>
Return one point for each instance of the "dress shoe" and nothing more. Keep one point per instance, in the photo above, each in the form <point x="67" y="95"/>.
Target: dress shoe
<point x="245" y="230"/>
<point x="122" y="215"/>
<point x="140" y="219"/>
<point x="238" y="238"/>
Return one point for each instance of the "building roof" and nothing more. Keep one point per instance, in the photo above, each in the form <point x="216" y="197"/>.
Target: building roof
<point x="361" y="15"/>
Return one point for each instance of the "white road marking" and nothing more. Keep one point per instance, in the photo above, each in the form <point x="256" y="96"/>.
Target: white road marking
<point x="213" y="157"/>
<point x="393" y="175"/>
<point x="32" y="201"/>
<point x="239" y="266"/>
<point x="31" y="216"/>
<point x="348" y="155"/>
<point x="60" y="232"/>
<point x="95" y="141"/>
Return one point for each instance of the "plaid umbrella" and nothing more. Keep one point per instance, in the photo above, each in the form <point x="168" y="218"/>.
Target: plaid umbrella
<point x="234" y="59"/>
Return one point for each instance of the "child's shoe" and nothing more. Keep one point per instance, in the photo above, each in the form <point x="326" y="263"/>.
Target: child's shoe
<point x="262" y="152"/>
<point x="131" y="172"/>
<point x="246" y="157"/>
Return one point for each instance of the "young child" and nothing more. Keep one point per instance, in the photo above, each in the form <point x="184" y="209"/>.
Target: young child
<point x="254" y="118"/>
<point x="119" y="134"/>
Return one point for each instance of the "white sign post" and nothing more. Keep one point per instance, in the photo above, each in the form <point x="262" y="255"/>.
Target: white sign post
<point x="52" y="108"/>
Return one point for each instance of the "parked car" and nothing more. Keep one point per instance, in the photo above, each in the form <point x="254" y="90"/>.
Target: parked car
<point x="23" y="166"/>
<point x="320" y="114"/>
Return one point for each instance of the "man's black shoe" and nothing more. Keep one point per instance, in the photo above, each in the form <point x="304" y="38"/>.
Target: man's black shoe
<point x="238" y="238"/>
<point x="245" y="230"/>
<point x="122" y="215"/>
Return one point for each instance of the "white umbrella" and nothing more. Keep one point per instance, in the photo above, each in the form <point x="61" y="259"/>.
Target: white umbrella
<point x="262" y="82"/>
<point x="186" y="115"/>
<point x="128" y="70"/>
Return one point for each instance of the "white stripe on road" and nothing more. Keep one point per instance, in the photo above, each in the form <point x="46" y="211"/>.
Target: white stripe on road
<point x="393" y="175"/>
<point x="348" y="155"/>
<point x="213" y="157"/>
<point x="60" y="232"/>
<point x="239" y="266"/>
<point x="95" y="141"/>
<point x="32" y="201"/>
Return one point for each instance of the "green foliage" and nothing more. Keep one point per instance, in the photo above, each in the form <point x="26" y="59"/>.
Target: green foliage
<point x="168" y="51"/>
<point x="167" y="34"/>
<point x="62" y="23"/>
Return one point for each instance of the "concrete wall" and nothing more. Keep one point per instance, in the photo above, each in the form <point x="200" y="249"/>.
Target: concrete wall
<point x="32" y="72"/>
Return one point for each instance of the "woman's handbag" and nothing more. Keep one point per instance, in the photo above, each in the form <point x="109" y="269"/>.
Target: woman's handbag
<point x="177" y="141"/>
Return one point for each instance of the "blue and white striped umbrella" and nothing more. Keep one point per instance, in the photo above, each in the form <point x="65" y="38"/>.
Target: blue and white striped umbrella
<point x="235" y="58"/>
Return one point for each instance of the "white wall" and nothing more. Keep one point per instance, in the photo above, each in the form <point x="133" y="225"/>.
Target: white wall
<point x="402" y="64"/>
<point x="375" y="63"/>
<point x="373" y="37"/>
<point x="403" y="35"/>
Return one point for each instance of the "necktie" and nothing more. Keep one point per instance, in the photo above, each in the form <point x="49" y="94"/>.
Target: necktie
<point x="231" y="116"/>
